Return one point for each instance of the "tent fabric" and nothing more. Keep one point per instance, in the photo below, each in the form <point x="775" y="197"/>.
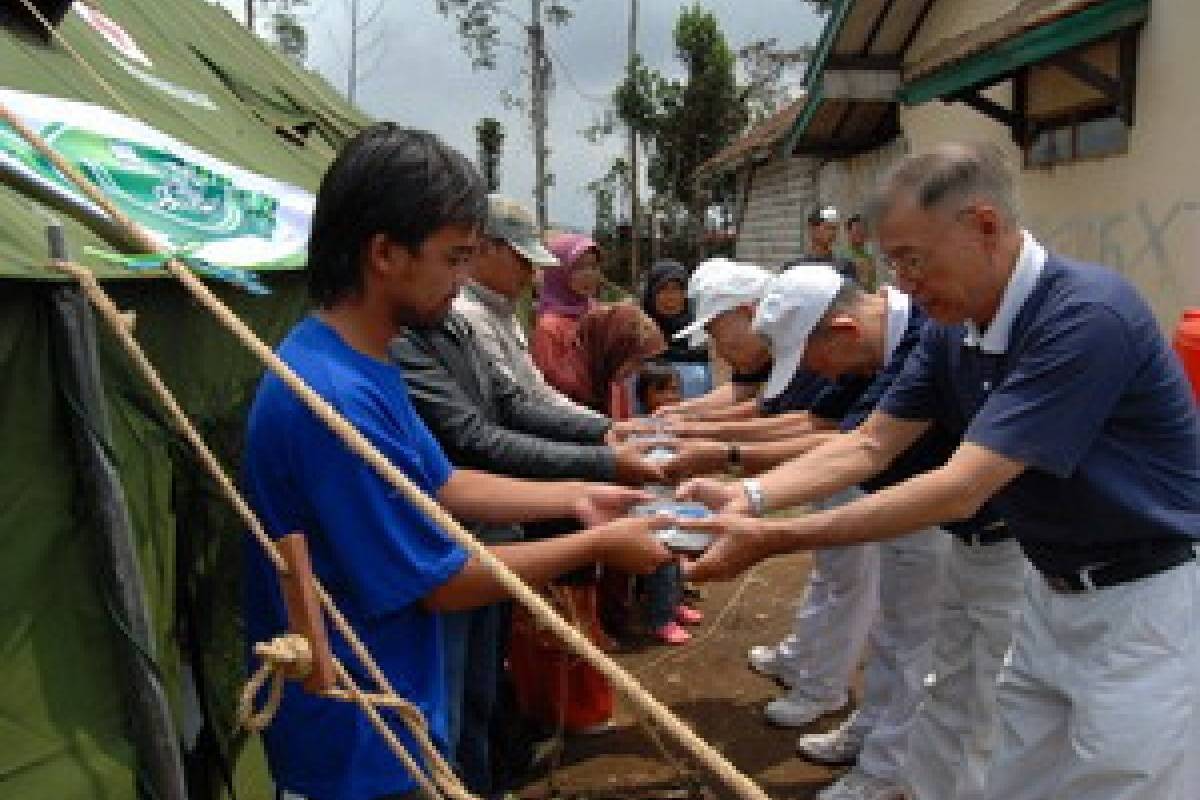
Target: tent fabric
<point x="212" y="85"/>
<point x="63" y="727"/>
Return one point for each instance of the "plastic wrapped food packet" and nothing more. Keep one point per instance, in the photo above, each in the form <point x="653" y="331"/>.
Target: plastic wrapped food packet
<point x="678" y="539"/>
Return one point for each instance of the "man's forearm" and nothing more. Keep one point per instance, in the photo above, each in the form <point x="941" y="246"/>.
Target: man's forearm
<point x="494" y="499"/>
<point x="762" y="456"/>
<point x="537" y="563"/>
<point x="931" y="498"/>
<point x="760" y="429"/>
<point x="840" y="462"/>
<point x="720" y="397"/>
<point x="740" y="411"/>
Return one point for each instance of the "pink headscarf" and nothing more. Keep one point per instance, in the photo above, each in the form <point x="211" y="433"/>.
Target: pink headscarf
<point x="556" y="295"/>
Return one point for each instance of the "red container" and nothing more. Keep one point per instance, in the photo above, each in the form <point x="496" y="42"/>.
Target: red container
<point x="1187" y="345"/>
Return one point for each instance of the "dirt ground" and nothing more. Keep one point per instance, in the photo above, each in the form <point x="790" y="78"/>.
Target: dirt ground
<point x="709" y="685"/>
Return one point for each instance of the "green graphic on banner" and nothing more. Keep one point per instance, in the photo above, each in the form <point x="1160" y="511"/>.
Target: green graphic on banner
<point x="224" y="214"/>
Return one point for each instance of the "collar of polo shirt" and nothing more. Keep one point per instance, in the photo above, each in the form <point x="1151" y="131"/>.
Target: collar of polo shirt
<point x="1028" y="269"/>
<point x="898" y="307"/>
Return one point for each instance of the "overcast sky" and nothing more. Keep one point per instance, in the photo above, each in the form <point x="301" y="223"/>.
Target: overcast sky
<point x="423" y="78"/>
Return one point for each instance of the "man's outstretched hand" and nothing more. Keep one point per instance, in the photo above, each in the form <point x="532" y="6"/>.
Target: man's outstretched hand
<point x="740" y="543"/>
<point x="629" y="544"/>
<point x="600" y="504"/>
<point x="720" y="496"/>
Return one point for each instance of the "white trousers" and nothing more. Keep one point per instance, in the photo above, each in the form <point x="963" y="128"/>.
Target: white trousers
<point x="899" y="653"/>
<point x="954" y="733"/>
<point x="1102" y="698"/>
<point x="832" y="617"/>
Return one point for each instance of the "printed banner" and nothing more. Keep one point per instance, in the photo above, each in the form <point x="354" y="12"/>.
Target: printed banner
<point x="186" y="198"/>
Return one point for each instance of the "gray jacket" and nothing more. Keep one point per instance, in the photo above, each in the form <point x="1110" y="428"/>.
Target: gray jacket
<point x="485" y="421"/>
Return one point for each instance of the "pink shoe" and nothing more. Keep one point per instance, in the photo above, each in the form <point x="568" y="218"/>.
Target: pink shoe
<point x="686" y="615"/>
<point x="671" y="633"/>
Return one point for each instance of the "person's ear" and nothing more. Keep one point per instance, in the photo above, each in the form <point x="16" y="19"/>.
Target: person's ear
<point x="985" y="219"/>
<point x="844" y="325"/>
<point x="387" y="258"/>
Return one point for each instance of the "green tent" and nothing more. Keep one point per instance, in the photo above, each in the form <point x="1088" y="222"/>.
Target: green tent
<point x="217" y="144"/>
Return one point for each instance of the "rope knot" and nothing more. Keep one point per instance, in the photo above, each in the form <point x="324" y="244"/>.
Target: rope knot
<point x="284" y="657"/>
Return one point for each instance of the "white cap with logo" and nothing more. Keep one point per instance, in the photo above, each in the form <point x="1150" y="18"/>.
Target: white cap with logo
<point x="719" y="285"/>
<point x="792" y="305"/>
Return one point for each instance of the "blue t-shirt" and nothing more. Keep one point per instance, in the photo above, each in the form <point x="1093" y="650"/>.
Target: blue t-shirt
<point x="373" y="550"/>
<point x="1089" y="397"/>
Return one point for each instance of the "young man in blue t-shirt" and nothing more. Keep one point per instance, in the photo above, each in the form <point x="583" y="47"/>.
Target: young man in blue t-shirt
<point x="393" y="232"/>
<point x="1077" y="424"/>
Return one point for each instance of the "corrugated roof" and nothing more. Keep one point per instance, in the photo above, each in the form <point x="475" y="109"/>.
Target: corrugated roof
<point x="759" y="140"/>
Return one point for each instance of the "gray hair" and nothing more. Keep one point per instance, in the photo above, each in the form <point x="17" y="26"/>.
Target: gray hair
<point x="948" y="177"/>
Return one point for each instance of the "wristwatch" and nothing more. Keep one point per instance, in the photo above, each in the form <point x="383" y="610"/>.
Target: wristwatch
<point x="755" y="496"/>
<point x="735" y="455"/>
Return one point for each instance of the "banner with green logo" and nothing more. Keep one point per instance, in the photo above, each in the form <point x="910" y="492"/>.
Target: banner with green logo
<point x="188" y="199"/>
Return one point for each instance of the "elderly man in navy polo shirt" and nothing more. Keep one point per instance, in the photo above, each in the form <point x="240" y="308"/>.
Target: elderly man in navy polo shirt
<point x="1077" y="423"/>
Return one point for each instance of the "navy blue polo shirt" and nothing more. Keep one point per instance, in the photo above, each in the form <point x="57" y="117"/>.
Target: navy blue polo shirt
<point x="376" y="552"/>
<point x="932" y="450"/>
<point x="800" y="395"/>
<point x="1088" y="396"/>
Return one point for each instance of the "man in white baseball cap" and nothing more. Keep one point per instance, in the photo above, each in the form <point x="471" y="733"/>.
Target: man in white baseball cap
<point x="819" y="658"/>
<point x="936" y="743"/>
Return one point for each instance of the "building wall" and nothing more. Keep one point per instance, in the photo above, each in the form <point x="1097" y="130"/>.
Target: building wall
<point x="781" y="194"/>
<point x="1138" y="212"/>
<point x="845" y="183"/>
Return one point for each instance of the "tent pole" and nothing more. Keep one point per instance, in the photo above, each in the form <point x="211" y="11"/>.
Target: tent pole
<point x="153" y="728"/>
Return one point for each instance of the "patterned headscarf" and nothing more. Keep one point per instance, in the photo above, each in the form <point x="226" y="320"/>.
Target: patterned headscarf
<point x="556" y="295"/>
<point x="611" y="336"/>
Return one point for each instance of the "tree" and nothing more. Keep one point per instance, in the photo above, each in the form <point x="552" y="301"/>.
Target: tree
<point x="683" y="123"/>
<point x="479" y="28"/>
<point x="490" y="136"/>
<point x="764" y="65"/>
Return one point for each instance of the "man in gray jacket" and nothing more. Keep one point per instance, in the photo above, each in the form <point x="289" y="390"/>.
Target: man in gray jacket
<point x="474" y="384"/>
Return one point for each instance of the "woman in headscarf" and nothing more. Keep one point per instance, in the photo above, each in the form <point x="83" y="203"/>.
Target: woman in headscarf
<point x="665" y="301"/>
<point x="568" y="291"/>
<point x="615" y="341"/>
<point x="612" y="342"/>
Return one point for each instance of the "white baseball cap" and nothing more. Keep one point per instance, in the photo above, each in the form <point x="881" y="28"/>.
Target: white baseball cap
<point x="792" y="305"/>
<point x="719" y="285"/>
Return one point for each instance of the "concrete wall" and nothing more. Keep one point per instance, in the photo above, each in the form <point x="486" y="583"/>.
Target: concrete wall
<point x="1138" y="212"/>
<point x="782" y="192"/>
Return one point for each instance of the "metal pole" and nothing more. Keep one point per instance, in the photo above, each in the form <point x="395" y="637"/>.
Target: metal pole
<point x="538" y="66"/>
<point x="352" y="72"/>
<point x="635" y="212"/>
<point x="250" y="15"/>
<point x="153" y="728"/>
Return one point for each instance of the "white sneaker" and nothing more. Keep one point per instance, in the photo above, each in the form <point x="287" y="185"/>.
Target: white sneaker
<point x="837" y="748"/>
<point x="795" y="710"/>
<point x="765" y="659"/>
<point x="855" y="785"/>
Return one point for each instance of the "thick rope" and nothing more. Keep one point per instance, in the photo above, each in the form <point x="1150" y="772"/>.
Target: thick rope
<point x="441" y="772"/>
<point x="287" y="656"/>
<point x="359" y="445"/>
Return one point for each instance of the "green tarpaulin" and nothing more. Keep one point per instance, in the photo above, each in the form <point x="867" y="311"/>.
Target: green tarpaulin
<point x="189" y="72"/>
